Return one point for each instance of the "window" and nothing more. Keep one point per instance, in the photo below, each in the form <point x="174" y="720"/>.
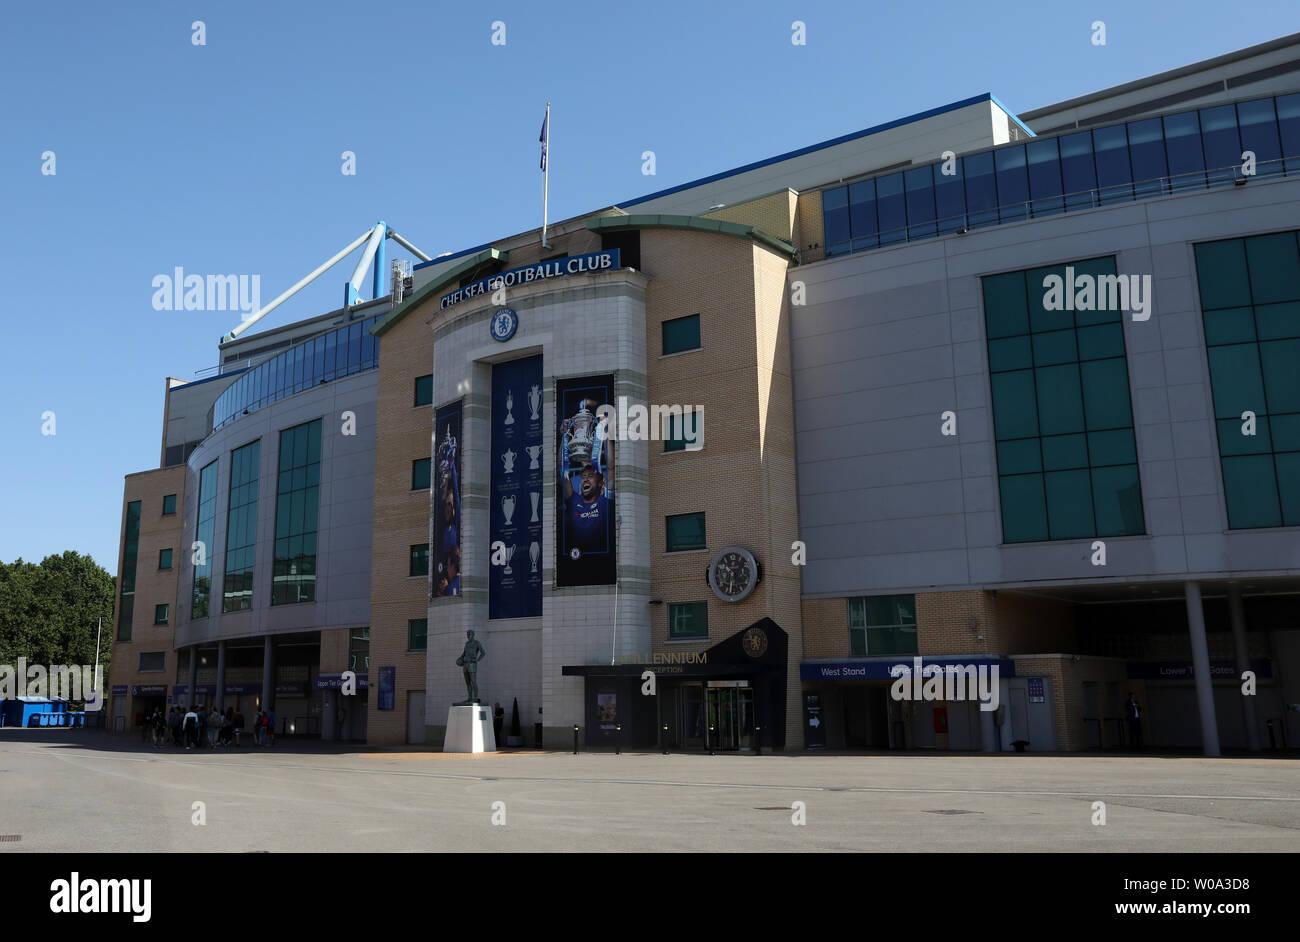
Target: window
<point x="160" y="614"/>
<point x="688" y="620"/>
<point x="359" y="650"/>
<point x="153" y="661"/>
<point x="681" y="333"/>
<point x="424" y="390"/>
<point x="420" y="559"/>
<point x="241" y="528"/>
<point x="165" y="559"/>
<point x="420" y="470"/>
<point x="882" y="624"/>
<point x="203" y="534"/>
<point x="130" y="549"/>
<point x="684" y="432"/>
<point x="417" y="634"/>
<point x="1063" y="423"/>
<point x="1250" y="302"/>
<point x="169" y="505"/>
<point x="297" y="504"/>
<point x="685" y="532"/>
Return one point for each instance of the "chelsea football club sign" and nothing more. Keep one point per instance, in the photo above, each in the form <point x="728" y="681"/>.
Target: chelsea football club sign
<point x="606" y="260"/>
<point x="503" y="325"/>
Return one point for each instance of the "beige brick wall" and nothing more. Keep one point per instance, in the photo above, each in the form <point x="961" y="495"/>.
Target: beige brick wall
<point x="743" y="478"/>
<point x="152" y="585"/>
<point x="401" y="519"/>
<point x="772" y="214"/>
<point x="809" y="233"/>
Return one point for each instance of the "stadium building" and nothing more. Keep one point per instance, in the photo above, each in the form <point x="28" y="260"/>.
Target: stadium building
<point x="995" y="391"/>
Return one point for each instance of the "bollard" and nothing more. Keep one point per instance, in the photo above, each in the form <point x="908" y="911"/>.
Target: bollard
<point x="618" y="739"/>
<point x="711" y="741"/>
<point x="664" y="739"/>
<point x="758" y="740"/>
<point x="1272" y="743"/>
<point x="575" y="739"/>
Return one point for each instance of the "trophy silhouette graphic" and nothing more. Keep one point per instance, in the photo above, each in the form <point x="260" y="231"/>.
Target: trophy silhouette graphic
<point x="508" y="507"/>
<point x="535" y="403"/>
<point x="510" y="554"/>
<point x="508" y="459"/>
<point x="534" y="551"/>
<point x="510" y="404"/>
<point x="582" y="436"/>
<point x="535" y="496"/>
<point x="534" y="452"/>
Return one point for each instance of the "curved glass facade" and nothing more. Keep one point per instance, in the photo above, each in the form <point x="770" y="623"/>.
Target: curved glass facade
<point x="1072" y="171"/>
<point x="343" y="352"/>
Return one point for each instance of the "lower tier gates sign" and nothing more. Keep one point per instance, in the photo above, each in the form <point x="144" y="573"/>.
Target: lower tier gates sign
<point x="515" y="504"/>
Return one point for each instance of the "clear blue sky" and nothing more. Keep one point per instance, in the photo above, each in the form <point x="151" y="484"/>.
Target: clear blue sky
<point x="225" y="158"/>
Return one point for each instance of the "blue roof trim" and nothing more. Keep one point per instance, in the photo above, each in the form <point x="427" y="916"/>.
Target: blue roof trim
<point x="843" y="139"/>
<point x="447" y="258"/>
<point x="200" y="382"/>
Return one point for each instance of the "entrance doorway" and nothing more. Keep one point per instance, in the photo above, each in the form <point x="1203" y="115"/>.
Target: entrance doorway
<point x="730" y="715"/>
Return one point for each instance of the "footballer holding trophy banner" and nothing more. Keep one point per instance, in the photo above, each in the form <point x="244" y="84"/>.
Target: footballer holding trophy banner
<point x="586" y="526"/>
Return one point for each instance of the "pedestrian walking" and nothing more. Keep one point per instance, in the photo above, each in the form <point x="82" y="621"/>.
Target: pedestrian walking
<point x="191" y="728"/>
<point x="1134" y="714"/>
<point x="239" y="727"/>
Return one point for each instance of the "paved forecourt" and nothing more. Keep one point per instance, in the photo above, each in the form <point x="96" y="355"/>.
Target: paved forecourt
<point x="83" y="791"/>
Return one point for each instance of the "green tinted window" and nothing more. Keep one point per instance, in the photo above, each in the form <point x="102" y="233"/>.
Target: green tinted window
<point x="421" y="468"/>
<point x="420" y="559"/>
<point x="424" y="390"/>
<point x="130" y="550"/>
<point x="241" y="528"/>
<point x="685" y="532"/>
<point x="417" y="634"/>
<point x="297" y="499"/>
<point x="1250" y="300"/>
<point x="1061" y="407"/>
<point x="203" y="533"/>
<point x="169" y="505"/>
<point x="689" y="620"/>
<point x="682" y="333"/>
<point x="165" y="559"/>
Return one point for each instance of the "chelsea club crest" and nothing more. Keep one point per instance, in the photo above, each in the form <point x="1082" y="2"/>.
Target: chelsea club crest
<point x="503" y="325"/>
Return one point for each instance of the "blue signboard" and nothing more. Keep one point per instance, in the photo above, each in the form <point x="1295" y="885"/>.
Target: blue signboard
<point x="1183" y="670"/>
<point x="880" y="669"/>
<point x="515" y="494"/>
<point x="387" y="687"/>
<point x="606" y="260"/>
<point x="335" y="682"/>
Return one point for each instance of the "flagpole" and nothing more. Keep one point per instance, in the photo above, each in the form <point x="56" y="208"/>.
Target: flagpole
<point x="546" y="176"/>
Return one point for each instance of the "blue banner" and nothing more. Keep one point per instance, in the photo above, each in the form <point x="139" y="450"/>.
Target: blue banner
<point x="387" y="686"/>
<point x="445" y="551"/>
<point x="515" y="497"/>
<point x="880" y="669"/>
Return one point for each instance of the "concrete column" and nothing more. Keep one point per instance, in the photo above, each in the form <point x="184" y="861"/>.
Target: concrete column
<point x="268" y="674"/>
<point x="1201" y="665"/>
<point x="221" y="676"/>
<point x="328" y="722"/>
<point x="1237" y="612"/>
<point x="194" y="674"/>
<point x="988" y="731"/>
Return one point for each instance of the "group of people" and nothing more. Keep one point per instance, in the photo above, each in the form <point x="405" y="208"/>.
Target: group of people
<point x="197" y="728"/>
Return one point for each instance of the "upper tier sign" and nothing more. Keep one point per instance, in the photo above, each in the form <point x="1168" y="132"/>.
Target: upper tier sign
<point x="555" y="268"/>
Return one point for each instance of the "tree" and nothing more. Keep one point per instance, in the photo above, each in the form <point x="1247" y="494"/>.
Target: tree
<point x="49" y="613"/>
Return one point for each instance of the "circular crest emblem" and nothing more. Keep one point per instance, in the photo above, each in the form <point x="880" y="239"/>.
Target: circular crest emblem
<point x="575" y="553"/>
<point x="503" y="325"/>
<point x="754" y="642"/>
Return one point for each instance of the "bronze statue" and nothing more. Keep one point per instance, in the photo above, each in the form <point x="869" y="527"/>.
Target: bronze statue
<point x="468" y="662"/>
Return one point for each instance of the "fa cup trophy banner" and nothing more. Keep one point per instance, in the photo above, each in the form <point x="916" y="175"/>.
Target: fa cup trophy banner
<point x="586" y="525"/>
